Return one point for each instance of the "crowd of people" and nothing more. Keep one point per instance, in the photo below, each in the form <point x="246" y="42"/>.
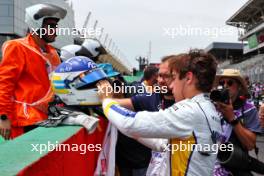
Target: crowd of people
<point x="169" y="108"/>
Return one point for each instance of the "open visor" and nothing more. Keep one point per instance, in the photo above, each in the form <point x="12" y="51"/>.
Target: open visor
<point x="90" y="78"/>
<point x="49" y="10"/>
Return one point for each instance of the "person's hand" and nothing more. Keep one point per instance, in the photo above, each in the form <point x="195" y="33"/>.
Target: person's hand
<point x="261" y="115"/>
<point x="5" y="128"/>
<point x="227" y="110"/>
<point x="105" y="89"/>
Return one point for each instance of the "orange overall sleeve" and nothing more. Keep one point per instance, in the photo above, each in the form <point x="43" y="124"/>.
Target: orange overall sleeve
<point x="11" y="67"/>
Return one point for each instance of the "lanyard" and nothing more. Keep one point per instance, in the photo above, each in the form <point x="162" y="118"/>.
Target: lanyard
<point x="162" y="104"/>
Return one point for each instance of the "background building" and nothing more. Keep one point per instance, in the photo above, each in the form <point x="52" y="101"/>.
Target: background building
<point x="226" y="53"/>
<point x="249" y="20"/>
<point x="12" y="25"/>
<point x="12" y="17"/>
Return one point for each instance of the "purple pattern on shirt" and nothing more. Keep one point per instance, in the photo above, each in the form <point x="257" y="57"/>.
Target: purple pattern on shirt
<point x="227" y="128"/>
<point x="247" y="107"/>
<point x="220" y="171"/>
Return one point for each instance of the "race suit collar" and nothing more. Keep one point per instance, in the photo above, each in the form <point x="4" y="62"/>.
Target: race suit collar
<point x="200" y="96"/>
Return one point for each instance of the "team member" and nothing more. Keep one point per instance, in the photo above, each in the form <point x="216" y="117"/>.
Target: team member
<point x="25" y="89"/>
<point x="131" y="156"/>
<point x="192" y="120"/>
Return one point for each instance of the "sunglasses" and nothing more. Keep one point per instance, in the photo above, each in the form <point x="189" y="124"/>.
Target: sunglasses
<point x="227" y="82"/>
<point x="164" y="75"/>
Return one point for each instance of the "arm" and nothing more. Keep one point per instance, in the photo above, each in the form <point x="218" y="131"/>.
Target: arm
<point x="126" y="103"/>
<point x="261" y="115"/>
<point x="162" y="124"/>
<point x="10" y="69"/>
<point x="135" y="103"/>
<point x="159" y="145"/>
<point x="104" y="93"/>
<point x="245" y="136"/>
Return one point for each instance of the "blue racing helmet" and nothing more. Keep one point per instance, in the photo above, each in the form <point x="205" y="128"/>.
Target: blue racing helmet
<point x="74" y="81"/>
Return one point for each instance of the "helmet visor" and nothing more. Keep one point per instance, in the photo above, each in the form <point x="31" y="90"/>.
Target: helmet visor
<point x="91" y="77"/>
